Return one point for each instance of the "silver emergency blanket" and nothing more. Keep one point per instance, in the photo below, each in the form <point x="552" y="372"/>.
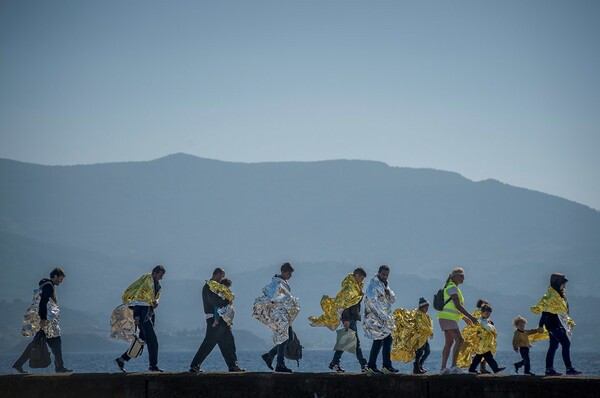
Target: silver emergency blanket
<point x="276" y="308"/>
<point x="378" y="320"/>
<point x="227" y="313"/>
<point x="122" y="325"/>
<point x="31" y="319"/>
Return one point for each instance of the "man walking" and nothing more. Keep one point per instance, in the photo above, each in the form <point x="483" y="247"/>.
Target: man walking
<point x="143" y="295"/>
<point x="44" y="314"/>
<point x="217" y="332"/>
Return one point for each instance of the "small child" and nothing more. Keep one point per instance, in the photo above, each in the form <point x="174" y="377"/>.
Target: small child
<point x="477" y="314"/>
<point x="423" y="324"/>
<point x="522" y="344"/>
<point x="226" y="282"/>
<point x="490" y="337"/>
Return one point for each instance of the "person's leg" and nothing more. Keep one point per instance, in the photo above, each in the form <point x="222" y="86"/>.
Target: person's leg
<point x="55" y="345"/>
<point x="23" y="358"/>
<point x="525" y="359"/>
<point x="386" y="352"/>
<point x="458" y="342"/>
<point x="227" y="345"/>
<point x="426" y="352"/>
<point x="552" y="347"/>
<point x="211" y="338"/>
<point x="565" y="342"/>
<point x="280" y="354"/>
<point x="337" y="356"/>
<point x="489" y="358"/>
<point x="449" y="341"/>
<point x="475" y="362"/>
<point x="149" y="336"/>
<point x="359" y="354"/>
<point x="375" y="348"/>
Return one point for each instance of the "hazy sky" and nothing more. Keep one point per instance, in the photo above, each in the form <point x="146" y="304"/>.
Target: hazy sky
<point x="490" y="89"/>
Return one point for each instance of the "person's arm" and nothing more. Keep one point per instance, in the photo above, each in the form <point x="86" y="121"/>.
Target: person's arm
<point x="462" y="309"/>
<point x="346" y="318"/>
<point x="515" y="342"/>
<point x="215" y="300"/>
<point x="47" y="291"/>
<point x="543" y="319"/>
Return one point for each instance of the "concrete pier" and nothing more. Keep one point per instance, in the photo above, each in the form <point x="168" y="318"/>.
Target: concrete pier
<point x="309" y="385"/>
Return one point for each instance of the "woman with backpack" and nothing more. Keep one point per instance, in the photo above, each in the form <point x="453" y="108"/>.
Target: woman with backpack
<point x="452" y="311"/>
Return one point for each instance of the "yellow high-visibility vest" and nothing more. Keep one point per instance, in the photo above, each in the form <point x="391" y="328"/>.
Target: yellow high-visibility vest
<point x="450" y="311"/>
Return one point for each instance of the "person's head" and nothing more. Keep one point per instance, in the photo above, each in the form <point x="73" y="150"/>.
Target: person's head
<point x="57" y="275"/>
<point x="158" y="272"/>
<point x="457" y="276"/>
<point x="383" y="273"/>
<point x="486" y="311"/>
<point x="218" y="274"/>
<point x="359" y="275"/>
<point x="286" y="271"/>
<point x="481" y="302"/>
<point x="423" y="305"/>
<point x="558" y="281"/>
<point x="226" y="281"/>
<point x="520" y="322"/>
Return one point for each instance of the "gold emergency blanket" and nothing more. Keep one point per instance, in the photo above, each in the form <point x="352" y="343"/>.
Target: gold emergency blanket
<point x="349" y="295"/>
<point x="276" y="308"/>
<point x="378" y="320"/>
<point x="141" y="292"/>
<point x="553" y="303"/>
<point x="413" y="328"/>
<point x="477" y="340"/>
<point x="31" y="319"/>
<point x="227" y="312"/>
<point x="122" y="325"/>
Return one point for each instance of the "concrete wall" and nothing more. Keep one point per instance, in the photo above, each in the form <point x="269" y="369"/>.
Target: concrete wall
<point x="310" y="385"/>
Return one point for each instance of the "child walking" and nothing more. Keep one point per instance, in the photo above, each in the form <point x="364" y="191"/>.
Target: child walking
<point x="521" y="343"/>
<point x="488" y="340"/>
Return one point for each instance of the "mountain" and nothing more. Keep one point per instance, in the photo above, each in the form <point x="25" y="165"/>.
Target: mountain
<point x="106" y="224"/>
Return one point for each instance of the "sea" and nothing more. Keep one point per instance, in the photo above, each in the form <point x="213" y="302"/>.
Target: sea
<point x="312" y="361"/>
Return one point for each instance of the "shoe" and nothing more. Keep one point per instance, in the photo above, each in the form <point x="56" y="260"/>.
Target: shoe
<point x="485" y="372"/>
<point x="389" y="369"/>
<point x="445" y="371"/>
<point x="367" y="369"/>
<point x="155" y="369"/>
<point x="120" y="364"/>
<point x="423" y="370"/>
<point x="64" y="370"/>
<point x="268" y="360"/>
<point x="498" y="370"/>
<point x="195" y="369"/>
<point x="455" y="370"/>
<point x="236" y="369"/>
<point x="417" y="370"/>
<point x="282" y="369"/>
<point x="529" y="373"/>
<point x="20" y="369"/>
<point x="336" y="368"/>
<point x="473" y="371"/>
<point x="573" y="372"/>
<point x="552" y="372"/>
<point x="516" y="365"/>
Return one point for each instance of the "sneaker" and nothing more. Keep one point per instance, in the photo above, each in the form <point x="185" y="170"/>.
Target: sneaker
<point x="236" y="369"/>
<point x="423" y="370"/>
<point x="485" y="372"/>
<point x="282" y="369"/>
<point x="64" y="370"/>
<point x="195" y="369"/>
<point x="573" y="372"/>
<point x="473" y="371"/>
<point x="498" y="370"/>
<point x="445" y="371"/>
<point x="336" y="368"/>
<point x="155" y="369"/>
<point x="19" y="369"/>
<point x="367" y="369"/>
<point x="389" y="369"/>
<point x="529" y="373"/>
<point x="268" y="360"/>
<point x="552" y="372"/>
<point x="120" y="364"/>
<point x="455" y="370"/>
<point x="516" y="365"/>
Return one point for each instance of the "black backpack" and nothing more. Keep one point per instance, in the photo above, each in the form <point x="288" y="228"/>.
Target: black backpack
<point x="438" y="300"/>
<point x="293" y="348"/>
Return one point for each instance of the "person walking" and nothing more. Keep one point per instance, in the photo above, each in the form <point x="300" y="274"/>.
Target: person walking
<point x="448" y="318"/>
<point x="277" y="309"/>
<point x="216" y="295"/>
<point x="378" y="322"/>
<point x="44" y="315"/>
<point x="143" y="296"/>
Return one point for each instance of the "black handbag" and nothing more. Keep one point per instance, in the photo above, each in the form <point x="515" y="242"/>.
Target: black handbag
<point x="39" y="355"/>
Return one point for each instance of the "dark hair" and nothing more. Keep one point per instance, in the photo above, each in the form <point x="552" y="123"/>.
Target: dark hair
<point x="226" y="281"/>
<point x="486" y="307"/>
<point x="159" y="269"/>
<point x="287" y="267"/>
<point x="57" y="272"/>
<point x="360" y="271"/>
<point x="481" y="302"/>
<point x="556" y="281"/>
<point x="218" y="271"/>
<point x="383" y="268"/>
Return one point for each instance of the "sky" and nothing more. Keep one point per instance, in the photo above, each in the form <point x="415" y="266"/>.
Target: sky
<point x="507" y="90"/>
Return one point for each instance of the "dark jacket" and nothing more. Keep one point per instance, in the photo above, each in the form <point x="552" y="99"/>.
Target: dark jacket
<point x="46" y="294"/>
<point x="352" y="313"/>
<point x="549" y="320"/>
<point x="211" y="300"/>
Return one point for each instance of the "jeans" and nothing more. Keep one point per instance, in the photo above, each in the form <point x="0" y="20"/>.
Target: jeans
<point x="524" y="359"/>
<point x="489" y="359"/>
<point x="558" y="336"/>
<point x="55" y="345"/>
<point x="387" y="350"/>
<point x="147" y="334"/>
<point x="422" y="354"/>
<point x="359" y="355"/>
<point x="221" y="335"/>
<point x="279" y="349"/>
